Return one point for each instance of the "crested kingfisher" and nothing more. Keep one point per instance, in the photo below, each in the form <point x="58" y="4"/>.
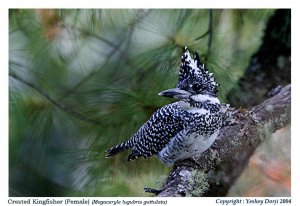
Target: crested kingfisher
<point x="185" y="128"/>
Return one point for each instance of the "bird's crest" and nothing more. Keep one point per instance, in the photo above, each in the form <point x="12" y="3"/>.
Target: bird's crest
<point x="193" y="70"/>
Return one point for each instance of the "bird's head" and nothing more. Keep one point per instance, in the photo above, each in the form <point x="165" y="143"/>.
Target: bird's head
<point x="195" y="82"/>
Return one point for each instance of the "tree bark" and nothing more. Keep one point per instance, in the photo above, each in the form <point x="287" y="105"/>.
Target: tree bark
<point x="214" y="172"/>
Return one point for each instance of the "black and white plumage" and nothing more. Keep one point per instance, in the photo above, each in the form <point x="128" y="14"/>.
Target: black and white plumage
<point x="182" y="129"/>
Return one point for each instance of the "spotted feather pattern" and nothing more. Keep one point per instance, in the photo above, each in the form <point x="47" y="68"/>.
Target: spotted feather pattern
<point x="193" y="71"/>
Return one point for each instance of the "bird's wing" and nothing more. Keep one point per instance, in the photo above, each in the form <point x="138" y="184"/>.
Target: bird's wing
<point x="164" y="124"/>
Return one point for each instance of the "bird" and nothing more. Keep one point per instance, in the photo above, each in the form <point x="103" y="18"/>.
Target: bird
<point x="184" y="128"/>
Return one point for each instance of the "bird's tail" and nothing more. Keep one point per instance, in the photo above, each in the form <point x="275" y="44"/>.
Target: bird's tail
<point x="119" y="148"/>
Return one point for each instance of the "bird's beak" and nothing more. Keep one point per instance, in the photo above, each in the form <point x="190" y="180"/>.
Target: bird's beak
<point x="175" y="93"/>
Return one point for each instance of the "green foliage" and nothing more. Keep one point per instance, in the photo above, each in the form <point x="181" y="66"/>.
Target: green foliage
<point x="82" y="81"/>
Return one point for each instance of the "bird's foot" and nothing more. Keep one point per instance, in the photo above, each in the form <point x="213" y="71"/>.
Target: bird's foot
<point x="151" y="190"/>
<point x="189" y="162"/>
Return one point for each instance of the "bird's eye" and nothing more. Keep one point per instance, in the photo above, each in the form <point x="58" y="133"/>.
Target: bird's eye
<point x="196" y="87"/>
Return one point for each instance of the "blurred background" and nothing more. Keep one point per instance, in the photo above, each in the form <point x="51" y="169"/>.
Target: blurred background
<point x="82" y="81"/>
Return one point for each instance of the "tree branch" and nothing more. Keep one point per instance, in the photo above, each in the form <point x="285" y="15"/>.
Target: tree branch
<point x="214" y="172"/>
